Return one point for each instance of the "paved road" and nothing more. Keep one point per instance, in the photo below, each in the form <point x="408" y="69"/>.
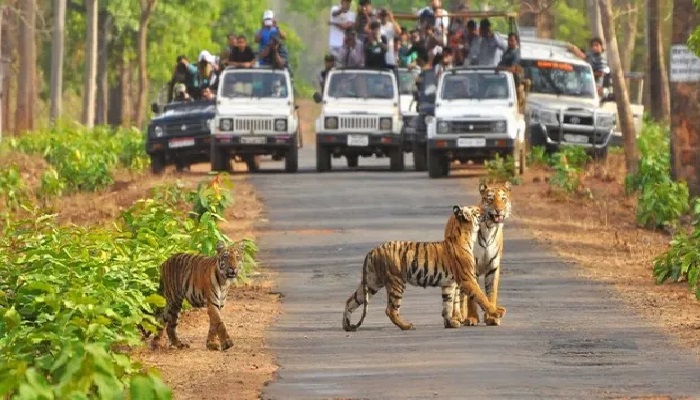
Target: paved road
<point x="563" y="337"/>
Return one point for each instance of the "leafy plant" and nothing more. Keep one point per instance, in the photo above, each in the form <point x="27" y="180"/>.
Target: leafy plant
<point x="538" y="157"/>
<point x="568" y="164"/>
<point x="12" y="187"/>
<point x="212" y="196"/>
<point x="502" y="169"/>
<point x="661" y="201"/>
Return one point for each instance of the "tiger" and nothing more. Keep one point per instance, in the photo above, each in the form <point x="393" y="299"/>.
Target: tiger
<point x="204" y="281"/>
<point x="488" y="252"/>
<point x="448" y="264"/>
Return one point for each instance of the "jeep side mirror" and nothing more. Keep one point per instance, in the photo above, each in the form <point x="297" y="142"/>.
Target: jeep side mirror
<point x="154" y="108"/>
<point x="317" y="97"/>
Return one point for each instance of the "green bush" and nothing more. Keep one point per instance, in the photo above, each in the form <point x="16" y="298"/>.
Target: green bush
<point x="12" y="187"/>
<point x="568" y="164"/>
<point x="538" y="157"/>
<point x="85" y="159"/>
<point x="501" y="170"/>
<point x="72" y="298"/>
<point x="682" y="259"/>
<point x="661" y="201"/>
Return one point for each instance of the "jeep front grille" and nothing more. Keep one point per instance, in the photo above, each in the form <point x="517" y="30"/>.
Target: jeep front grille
<point x="577" y="119"/>
<point x="185" y="128"/>
<point x="245" y="125"/>
<point x="359" y="123"/>
<point x="471" y="127"/>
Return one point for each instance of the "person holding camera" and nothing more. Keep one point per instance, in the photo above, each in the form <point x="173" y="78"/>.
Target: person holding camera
<point x="342" y="19"/>
<point x="376" y="47"/>
<point x="275" y="54"/>
<point x="365" y="16"/>
<point x="269" y="28"/>
<point x="351" y="54"/>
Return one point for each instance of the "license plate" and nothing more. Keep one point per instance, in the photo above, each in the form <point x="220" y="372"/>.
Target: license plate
<point x="253" y="140"/>
<point x="184" y="142"/>
<point x="358" y="140"/>
<point x="576" y="138"/>
<point x="471" y="142"/>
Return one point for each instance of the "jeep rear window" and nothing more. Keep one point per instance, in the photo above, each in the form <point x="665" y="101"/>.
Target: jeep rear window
<point x="475" y="86"/>
<point x="407" y="82"/>
<point x="559" y="78"/>
<point x="254" y="84"/>
<point x="361" y="86"/>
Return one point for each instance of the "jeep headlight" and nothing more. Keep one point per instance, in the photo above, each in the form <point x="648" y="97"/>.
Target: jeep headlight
<point x="210" y="124"/>
<point x="442" y="127"/>
<point x="330" y="123"/>
<point x="606" y="120"/>
<point x="226" y="124"/>
<point x="499" y="126"/>
<point x="280" y="125"/>
<point x="158" y="131"/>
<point x="545" y="117"/>
<point x="385" y="124"/>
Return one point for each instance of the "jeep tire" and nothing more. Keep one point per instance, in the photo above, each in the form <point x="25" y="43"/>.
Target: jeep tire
<point x="220" y="159"/>
<point x="396" y="158"/>
<point x="253" y="162"/>
<point x="438" y="165"/>
<point x="291" y="159"/>
<point x="352" y="159"/>
<point x="420" y="155"/>
<point x="323" y="158"/>
<point x="157" y="163"/>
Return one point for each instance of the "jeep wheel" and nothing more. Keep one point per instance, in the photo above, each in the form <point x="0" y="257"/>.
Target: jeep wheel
<point x="291" y="159"/>
<point x="438" y="165"/>
<point x="220" y="160"/>
<point x="352" y="160"/>
<point x="600" y="154"/>
<point x="420" y="155"/>
<point x="253" y="163"/>
<point x="158" y="163"/>
<point x="323" y="159"/>
<point x="396" y="159"/>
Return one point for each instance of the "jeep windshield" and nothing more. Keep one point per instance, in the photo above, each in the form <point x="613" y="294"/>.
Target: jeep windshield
<point x="559" y="78"/>
<point x="485" y="85"/>
<point x="361" y="85"/>
<point x="254" y="84"/>
<point x="192" y="107"/>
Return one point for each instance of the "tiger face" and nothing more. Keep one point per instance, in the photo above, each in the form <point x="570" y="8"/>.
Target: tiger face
<point x="495" y="201"/>
<point x="469" y="214"/>
<point x="229" y="260"/>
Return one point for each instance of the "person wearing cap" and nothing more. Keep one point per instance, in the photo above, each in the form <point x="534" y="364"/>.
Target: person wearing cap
<point x="342" y="18"/>
<point x="328" y="64"/>
<point x="436" y="17"/>
<point x="269" y="28"/>
<point x="184" y="73"/>
<point x="207" y="68"/>
<point x="390" y="29"/>
<point x="488" y="49"/>
<point x="180" y="92"/>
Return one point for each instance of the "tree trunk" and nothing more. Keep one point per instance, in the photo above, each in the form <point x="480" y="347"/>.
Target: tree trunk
<point x="2" y="66"/>
<point x="545" y="19"/>
<point x="147" y="7"/>
<point x="103" y="68"/>
<point x="528" y="13"/>
<point x="629" y="35"/>
<point x="27" y="65"/>
<point x="594" y="22"/>
<point x="126" y="94"/>
<point x="7" y="47"/>
<point x="90" y="64"/>
<point x="624" y="110"/>
<point x="660" y="107"/>
<point x="59" y="17"/>
<point x="114" y="113"/>
<point x="685" y="104"/>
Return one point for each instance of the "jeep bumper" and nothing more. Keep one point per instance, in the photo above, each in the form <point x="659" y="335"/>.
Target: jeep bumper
<point x="555" y="136"/>
<point x="350" y="141"/>
<point x="255" y="144"/>
<point x="179" y="147"/>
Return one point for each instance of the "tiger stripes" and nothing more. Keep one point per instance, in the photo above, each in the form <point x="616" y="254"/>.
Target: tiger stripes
<point x="447" y="264"/>
<point x="204" y="281"/>
<point x="488" y="252"/>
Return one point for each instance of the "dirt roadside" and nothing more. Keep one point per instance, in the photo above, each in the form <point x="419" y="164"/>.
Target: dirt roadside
<point x="600" y="235"/>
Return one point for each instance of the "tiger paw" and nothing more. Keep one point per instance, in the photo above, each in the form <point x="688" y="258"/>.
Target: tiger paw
<point x="227" y="344"/>
<point x="491" y="321"/>
<point x="408" y="327"/>
<point x="181" y="345"/>
<point x="452" y="323"/>
<point x="213" y="346"/>
<point x="471" y="321"/>
<point x="500" y="312"/>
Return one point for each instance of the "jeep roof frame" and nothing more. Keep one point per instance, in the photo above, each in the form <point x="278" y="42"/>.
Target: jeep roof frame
<point x="510" y="16"/>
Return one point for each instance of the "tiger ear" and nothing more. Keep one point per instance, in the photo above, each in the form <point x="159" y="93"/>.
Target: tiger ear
<point x="482" y="187"/>
<point x="507" y="185"/>
<point x="457" y="211"/>
<point x="220" y="246"/>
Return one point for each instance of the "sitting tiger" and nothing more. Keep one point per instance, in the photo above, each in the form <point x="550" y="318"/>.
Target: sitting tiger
<point x="204" y="281"/>
<point x="488" y="252"/>
<point x="446" y="264"/>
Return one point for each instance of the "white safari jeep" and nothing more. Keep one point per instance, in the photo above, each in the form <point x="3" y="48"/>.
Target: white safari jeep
<point x="255" y="116"/>
<point x="360" y="117"/>
<point x="476" y="117"/>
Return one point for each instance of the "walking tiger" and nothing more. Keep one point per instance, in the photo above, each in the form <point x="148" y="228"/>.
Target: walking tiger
<point x="488" y="252"/>
<point x="204" y="281"/>
<point x="448" y="264"/>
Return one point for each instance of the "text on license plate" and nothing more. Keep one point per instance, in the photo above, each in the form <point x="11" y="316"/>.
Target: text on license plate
<point x="471" y="142"/>
<point x="184" y="142"/>
<point x="576" y="138"/>
<point x="358" y="140"/>
<point x="253" y="140"/>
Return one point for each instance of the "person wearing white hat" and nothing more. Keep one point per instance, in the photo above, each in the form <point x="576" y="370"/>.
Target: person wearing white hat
<point x="269" y="28"/>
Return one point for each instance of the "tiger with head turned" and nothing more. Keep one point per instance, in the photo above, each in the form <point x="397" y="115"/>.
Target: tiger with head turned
<point x="488" y="252"/>
<point x="204" y="281"/>
<point x="448" y="264"/>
